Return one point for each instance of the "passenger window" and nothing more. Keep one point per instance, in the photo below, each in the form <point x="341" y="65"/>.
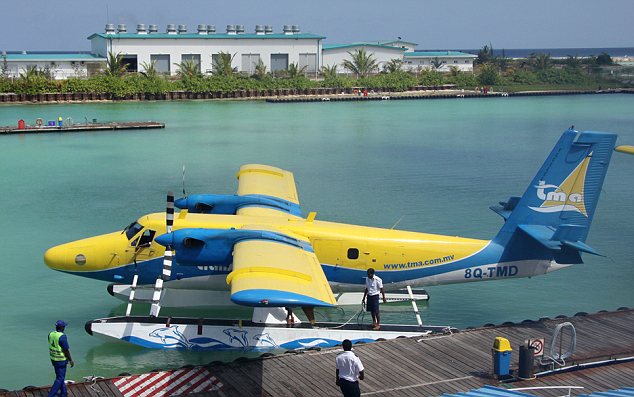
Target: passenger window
<point x="353" y="253"/>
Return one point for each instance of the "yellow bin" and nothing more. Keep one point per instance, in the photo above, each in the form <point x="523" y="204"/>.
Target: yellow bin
<point x="502" y="345"/>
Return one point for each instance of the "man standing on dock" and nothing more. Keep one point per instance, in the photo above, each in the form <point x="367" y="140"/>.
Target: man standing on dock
<point x="60" y="358"/>
<point x="373" y="285"/>
<point x="349" y="371"/>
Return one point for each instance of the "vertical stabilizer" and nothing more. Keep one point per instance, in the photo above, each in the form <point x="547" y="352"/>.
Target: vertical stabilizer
<point x="558" y="206"/>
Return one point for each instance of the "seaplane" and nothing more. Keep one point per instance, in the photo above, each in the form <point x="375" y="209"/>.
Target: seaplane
<point x="256" y="249"/>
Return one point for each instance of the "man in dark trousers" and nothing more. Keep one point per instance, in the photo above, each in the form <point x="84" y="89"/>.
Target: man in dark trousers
<point x="349" y="371"/>
<point x="60" y="358"/>
<point x="373" y="286"/>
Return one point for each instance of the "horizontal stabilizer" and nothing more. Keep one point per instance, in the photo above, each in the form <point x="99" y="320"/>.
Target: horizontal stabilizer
<point x="556" y="239"/>
<point x="506" y="208"/>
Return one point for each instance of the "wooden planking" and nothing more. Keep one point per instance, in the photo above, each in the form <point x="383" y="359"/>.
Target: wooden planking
<point x="427" y="366"/>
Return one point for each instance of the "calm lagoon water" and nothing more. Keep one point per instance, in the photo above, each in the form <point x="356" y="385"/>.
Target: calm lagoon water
<point x="435" y="165"/>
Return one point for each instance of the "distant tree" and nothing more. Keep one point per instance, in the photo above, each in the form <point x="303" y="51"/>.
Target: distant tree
<point x="572" y="62"/>
<point x="30" y="73"/>
<point x="436" y="63"/>
<point x="394" y="65"/>
<point x="4" y="67"/>
<point x="454" y="71"/>
<point x="488" y="74"/>
<point x="222" y="64"/>
<point x="502" y="61"/>
<point x="604" y="59"/>
<point x="485" y="55"/>
<point x="114" y="65"/>
<point x="360" y="63"/>
<point x="295" y="71"/>
<point x="540" y="61"/>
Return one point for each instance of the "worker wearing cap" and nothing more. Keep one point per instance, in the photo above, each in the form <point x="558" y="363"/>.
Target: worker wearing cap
<point x="60" y="358"/>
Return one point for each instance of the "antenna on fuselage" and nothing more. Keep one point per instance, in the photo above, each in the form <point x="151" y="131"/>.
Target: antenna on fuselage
<point x="167" y="259"/>
<point x="397" y="222"/>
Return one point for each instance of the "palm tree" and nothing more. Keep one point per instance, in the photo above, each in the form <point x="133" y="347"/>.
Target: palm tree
<point x="30" y="73"/>
<point x="361" y="63"/>
<point x="114" y="65"/>
<point x="149" y="69"/>
<point x="393" y="66"/>
<point x="294" y="70"/>
<point x="260" y="70"/>
<point x="222" y="64"/>
<point x="188" y="69"/>
<point x="540" y="61"/>
<point x="329" y="71"/>
<point x="436" y="63"/>
<point x="485" y="55"/>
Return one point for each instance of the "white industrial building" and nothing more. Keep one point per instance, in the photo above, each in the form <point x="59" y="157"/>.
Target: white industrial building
<point x="167" y="49"/>
<point x="176" y="45"/>
<point x="442" y="61"/>
<point x="335" y="54"/>
<point x="60" y="65"/>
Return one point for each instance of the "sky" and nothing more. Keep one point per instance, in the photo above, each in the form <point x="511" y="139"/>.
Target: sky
<point x="41" y="25"/>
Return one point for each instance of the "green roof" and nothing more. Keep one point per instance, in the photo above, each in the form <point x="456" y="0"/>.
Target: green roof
<point x="53" y="56"/>
<point x="432" y="54"/>
<point x="352" y="45"/>
<point x="209" y="36"/>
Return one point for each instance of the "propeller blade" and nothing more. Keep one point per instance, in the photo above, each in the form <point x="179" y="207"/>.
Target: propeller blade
<point x="167" y="259"/>
<point x="184" y="194"/>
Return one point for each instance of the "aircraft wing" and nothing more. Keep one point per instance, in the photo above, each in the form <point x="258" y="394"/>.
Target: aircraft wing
<point x="274" y="186"/>
<point x="274" y="273"/>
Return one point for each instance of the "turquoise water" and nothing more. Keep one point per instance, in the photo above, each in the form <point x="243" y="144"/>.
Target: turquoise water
<point x="436" y="165"/>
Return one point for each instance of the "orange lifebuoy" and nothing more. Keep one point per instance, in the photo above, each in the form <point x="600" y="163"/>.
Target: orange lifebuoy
<point x="39" y="122"/>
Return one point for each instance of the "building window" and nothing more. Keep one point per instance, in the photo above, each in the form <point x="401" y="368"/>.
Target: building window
<point x="466" y="61"/>
<point x="279" y="62"/>
<point x="130" y="62"/>
<point x="161" y="63"/>
<point x="455" y="61"/>
<point x="195" y="58"/>
<point x="308" y="60"/>
<point x="249" y="62"/>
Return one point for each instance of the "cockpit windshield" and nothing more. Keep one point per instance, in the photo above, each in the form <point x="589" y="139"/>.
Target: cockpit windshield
<point x="132" y="229"/>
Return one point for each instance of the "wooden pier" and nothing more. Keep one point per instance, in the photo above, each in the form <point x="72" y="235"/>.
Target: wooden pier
<point x="38" y="129"/>
<point x="426" y="366"/>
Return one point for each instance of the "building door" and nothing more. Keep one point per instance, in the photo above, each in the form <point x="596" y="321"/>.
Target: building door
<point x="279" y="62"/>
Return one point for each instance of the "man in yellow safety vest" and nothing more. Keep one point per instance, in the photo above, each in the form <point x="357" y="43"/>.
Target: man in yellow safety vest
<point x="60" y="358"/>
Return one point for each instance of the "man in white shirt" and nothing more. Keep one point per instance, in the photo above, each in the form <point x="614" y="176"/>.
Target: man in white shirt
<point x="349" y="371"/>
<point x="373" y="285"/>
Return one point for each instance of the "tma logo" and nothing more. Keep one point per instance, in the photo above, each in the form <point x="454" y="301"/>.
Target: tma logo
<point x="566" y="197"/>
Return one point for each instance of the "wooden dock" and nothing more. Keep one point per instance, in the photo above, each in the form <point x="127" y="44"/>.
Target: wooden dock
<point x="428" y="366"/>
<point x="30" y="129"/>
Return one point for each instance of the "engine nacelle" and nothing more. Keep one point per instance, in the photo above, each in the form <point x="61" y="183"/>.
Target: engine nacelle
<point x="230" y="204"/>
<point x="214" y="247"/>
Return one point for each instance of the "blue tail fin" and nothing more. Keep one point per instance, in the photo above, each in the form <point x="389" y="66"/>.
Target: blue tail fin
<point x="553" y="216"/>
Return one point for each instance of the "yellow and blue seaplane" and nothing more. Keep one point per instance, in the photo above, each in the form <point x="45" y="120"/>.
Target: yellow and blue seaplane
<point x="256" y="249"/>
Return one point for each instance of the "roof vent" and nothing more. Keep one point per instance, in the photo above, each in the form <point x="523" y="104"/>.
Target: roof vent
<point x="287" y="29"/>
<point x="259" y="29"/>
<point x="268" y="29"/>
<point x="121" y="28"/>
<point x="295" y="29"/>
<point x="239" y="29"/>
<point x="182" y="29"/>
<point x="153" y="29"/>
<point x="171" y="29"/>
<point x="140" y="28"/>
<point x="110" y="28"/>
<point x="211" y="28"/>
<point x="231" y="29"/>
<point x="202" y="29"/>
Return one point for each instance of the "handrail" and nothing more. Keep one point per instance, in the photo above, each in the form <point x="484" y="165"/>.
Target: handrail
<point x="549" y="387"/>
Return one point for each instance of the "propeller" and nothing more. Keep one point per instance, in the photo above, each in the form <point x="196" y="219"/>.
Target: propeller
<point x="167" y="258"/>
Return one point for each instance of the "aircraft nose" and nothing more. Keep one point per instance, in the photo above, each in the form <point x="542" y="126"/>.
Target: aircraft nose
<point x="56" y="258"/>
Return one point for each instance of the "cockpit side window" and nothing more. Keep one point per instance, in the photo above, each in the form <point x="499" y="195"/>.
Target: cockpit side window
<point x="146" y="238"/>
<point x="132" y="230"/>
